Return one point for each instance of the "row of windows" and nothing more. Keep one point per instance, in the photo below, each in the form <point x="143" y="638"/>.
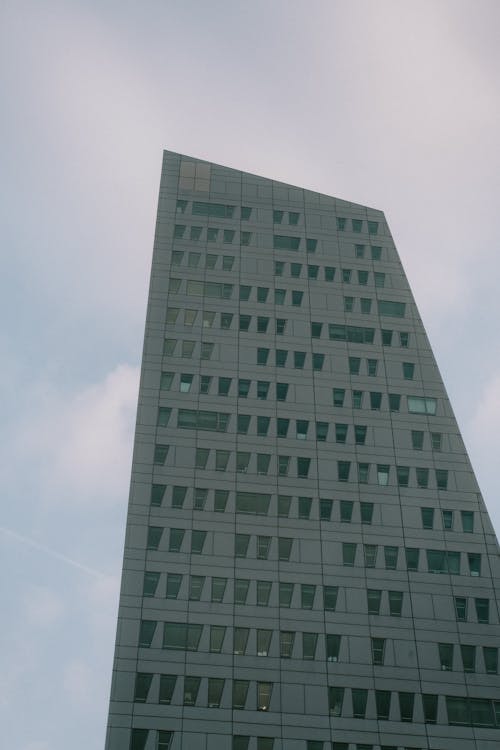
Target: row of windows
<point x="280" y="216"/>
<point x="346" y="511"/>
<point x="281" y="358"/>
<point x="223" y="290"/>
<point x="438" y="561"/>
<point x="260" y="463"/>
<point x="213" y="234"/>
<point x="313" y="271"/>
<point x="163" y="741"/>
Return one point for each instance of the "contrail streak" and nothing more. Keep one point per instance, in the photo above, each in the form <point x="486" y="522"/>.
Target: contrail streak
<point x="51" y="552"/>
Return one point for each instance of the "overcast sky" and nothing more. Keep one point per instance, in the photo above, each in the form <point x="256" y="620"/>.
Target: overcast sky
<point x="389" y="103"/>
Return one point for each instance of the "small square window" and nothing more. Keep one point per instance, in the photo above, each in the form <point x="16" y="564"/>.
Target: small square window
<point x="359" y="251"/>
<point x="318" y="361"/>
<point x="245" y="291"/>
<point x="299" y="359"/>
<point x="348" y="304"/>
<point x="262" y="389"/>
<point x="212" y="235"/>
<point x="262" y="355"/>
<point x="346" y="275"/>
<point x="278" y="217"/>
<point x="316" y="328"/>
<point x="279" y="267"/>
<point x="280" y="326"/>
<point x="408" y="370"/>
<point x="246" y="213"/>
<point x="295" y="270"/>
<point x="311" y="245"/>
<point x="227" y="262"/>
<point x="281" y="391"/>
<point x="281" y="357"/>
<point x="329" y="273"/>
<point x="312" y="271"/>
<point x="262" y="324"/>
<point x="262" y="293"/>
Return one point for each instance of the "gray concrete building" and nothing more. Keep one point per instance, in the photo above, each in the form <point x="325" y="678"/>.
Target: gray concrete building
<point x="309" y="564"/>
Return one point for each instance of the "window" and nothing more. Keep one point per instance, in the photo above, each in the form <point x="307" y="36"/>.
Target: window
<point x="445" y="651"/>
<point x="262" y="389"/>
<point x="245" y="238"/>
<point x="436" y="439"/>
<point x="200" y="498"/>
<point x="376" y="252"/>
<point x="311" y="245"/>
<point x="282" y="242"/>
<point x="430" y="706"/>
<point x="335" y="700"/>
<point x="263" y="426"/>
<point x="374" y="597"/>
<point x="295" y="270"/>
<point x="243" y="423"/>
<point x="427" y="517"/>
<point x="241" y="542"/>
<point x="386" y="337"/>
<point x="154" y="537"/>
<point x="225" y="320"/>
<point x="359" y="434"/>
<point x="215" y="689"/>
<point x="281" y="357"/>
<point x="169" y="347"/>
<point x="293" y="218"/>
<point x="357" y="399"/>
<point x="262" y="293"/>
<point x="217" y="633"/>
<point x="332" y="647"/>
<point x="412" y="557"/>
<point x="338" y="396"/>
<point x="346" y="275"/>
<point x="297" y="298"/>
<point x="394" y="401"/>
<point x="243" y="387"/>
<point x="403" y="475"/>
<point x="206" y="349"/>
<point x="325" y="509"/>
<point x="264" y="691"/>
<point x="160" y="454"/>
<point x="240" y="638"/>
<point x="371" y="366"/>
<point x="359" y="700"/>
<point x="177" y="256"/>
<point x="441" y="561"/>
<point x="299" y="359"/>
<point x="263" y="547"/>
<point x="242" y="461"/>
<point x="221" y="460"/>
<point x="379" y="279"/>
<point x="263" y="642"/>
<point x="312" y="271"/>
<point x="408" y="370"/>
<point x="240" y="691"/>
<point x="307" y="593"/>
<point x="218" y="589"/>
<point x="383" y="704"/>
<point x="157" y="494"/>
<point x="341" y="223"/>
<point x="283" y="464"/>
<point x="461" y="608"/>
<point x="224" y="386"/>
<point x="279" y="296"/>
<point x="343" y="468"/>
<point x="286" y="644"/>
<point x="468" y="658"/>
<point x="146" y="633"/>
<point x="330" y="595"/>
<point x="240" y="742"/>
<point x="316" y="330"/>
<point x="422" y="476"/>
<point x="348" y="304"/>
<point x="370" y="551"/>
<point x="245" y="321"/>
<point x="442" y="479"/>
<point x="417" y="440"/>
<point x="262" y="355"/>
<point x="178" y="496"/>
<point x="305" y="505"/>
<point x="366" y="512"/>
<point x="447" y="516"/>
<point x="383" y="474"/>
<point x="363" y="278"/>
<point x="191" y="688"/>
<point x="318" y="361"/>
<point x="263" y="593"/>
<point x="467" y="517"/>
<point x="263" y="461"/>
<point x="391" y="557"/>
<point x="284" y="503"/>
<point x="346" y="507"/>
<point x="150" y="583"/>
<point x="321" y="431"/>
<point x="220" y="500"/>
<point x="354" y="364"/>
<point x="281" y="391"/>
<point x="406" y="703"/>
<point x="197" y="541"/>
<point x="241" y="586"/>
<point x="166" y="381"/>
<point x="482" y="610"/>
<point x="363" y="471"/>
<point x="167" y="687"/>
<point x="395" y="603"/>
<point x="179" y="230"/>
<point x="285" y="594"/>
<point x="348" y="553"/>
<point x="366" y="305"/>
<point x="378" y="650"/>
<point x="309" y="643"/>
<point x="280" y="326"/>
<point x="420" y="405"/>
<point x="172" y="315"/>
<point x="262" y="324"/>
<point x="245" y="291"/>
<point x="228" y="236"/>
<point x="375" y="400"/>
<point x="490" y="655"/>
<point x="174" y="581"/>
<point x="181" y="636"/>
<point x="278" y="217"/>
<point x="282" y="427"/>
<point x="303" y="466"/>
<point x="284" y="548"/>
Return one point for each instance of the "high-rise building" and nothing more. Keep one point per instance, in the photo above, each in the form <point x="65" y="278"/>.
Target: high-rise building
<point x="309" y="564"/>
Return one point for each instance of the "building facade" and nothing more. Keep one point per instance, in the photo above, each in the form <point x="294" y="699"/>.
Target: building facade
<point x="309" y="564"/>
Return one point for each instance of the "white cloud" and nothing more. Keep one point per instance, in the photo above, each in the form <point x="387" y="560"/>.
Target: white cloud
<point x="79" y="683"/>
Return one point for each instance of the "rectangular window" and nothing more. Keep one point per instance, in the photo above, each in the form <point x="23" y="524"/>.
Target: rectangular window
<point x="353" y="334"/>
<point x="461" y="608"/>
<point x="406" y="703"/>
<point x="283" y="242"/>
<point x="262" y="293"/>
<point x="281" y="357"/>
<point x="383" y="704"/>
<point x="215" y="689"/>
<point x="374" y="597"/>
<point x="348" y="553"/>
<point x="490" y="655"/>
<point x="281" y="391"/>
<point x="318" y="361"/>
<point x="375" y="400"/>
<point x="467" y="517"/>
<point x="420" y="405"/>
<point x="482" y="610"/>
<point x="218" y="589"/>
<point x="212" y="209"/>
<point x="343" y="468"/>
<point x="325" y="509"/>
<point x="299" y="359"/>
<point x="338" y="396"/>
<point x="150" y="583"/>
<point x="220" y="500"/>
<point x="391" y="557"/>
<point x="262" y="324"/>
<point x="395" y="603"/>
<point x="286" y="644"/>
<point x="417" y="440"/>
<point x="332" y="647"/>
<point x="383" y="474"/>
<point x="363" y="472"/>
<point x="285" y="594"/>
<point x="394" y="401"/>
<point x="263" y="593"/>
<point x="307" y="593"/>
<point x="366" y="512"/>
<point x="408" y="370"/>
<point x="321" y="431"/>
<point x="174" y="581"/>
<point x="330" y="594"/>
<point x="311" y="245"/>
<point x="354" y="365"/>
<point x="284" y="548"/>
<point x="341" y="432"/>
<point x="167" y="687"/>
<point x="370" y="551"/>
<point x="263" y="641"/>
<point x="359" y="701"/>
<point x="412" y="558"/>
<point x="335" y="700"/>
<point x="378" y="650"/>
